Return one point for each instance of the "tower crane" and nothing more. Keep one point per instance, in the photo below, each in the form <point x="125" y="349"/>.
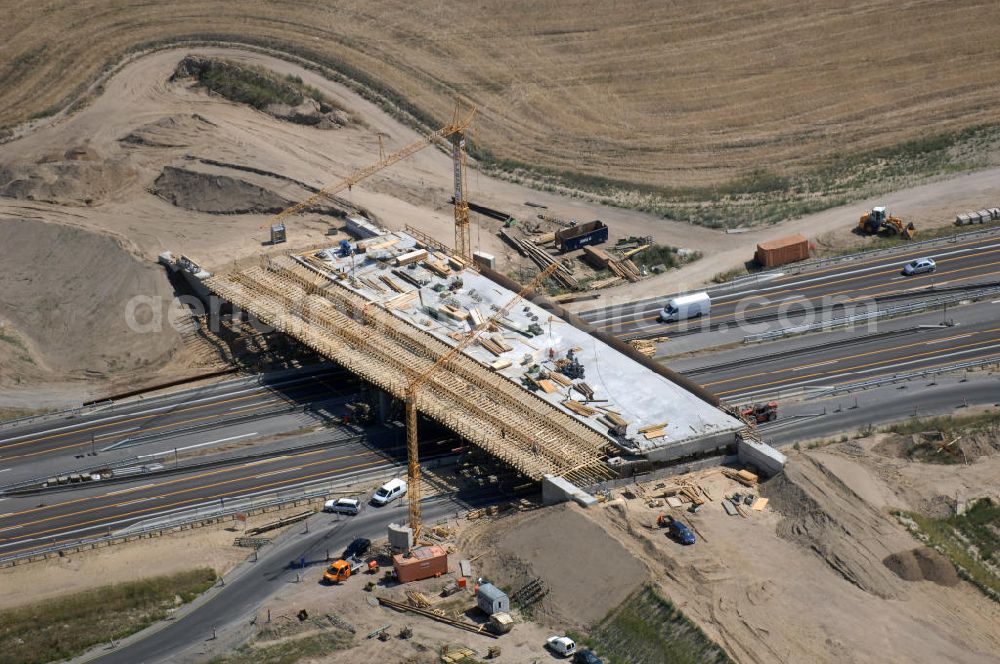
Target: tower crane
<point x="412" y="453"/>
<point x="454" y="130"/>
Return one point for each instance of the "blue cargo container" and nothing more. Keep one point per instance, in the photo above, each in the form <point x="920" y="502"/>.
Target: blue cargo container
<point x="574" y="237"/>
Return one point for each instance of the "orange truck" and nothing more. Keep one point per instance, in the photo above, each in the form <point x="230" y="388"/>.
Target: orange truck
<point x="343" y="569"/>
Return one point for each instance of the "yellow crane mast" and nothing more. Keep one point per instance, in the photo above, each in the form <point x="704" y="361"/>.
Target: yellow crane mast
<point x="458" y="125"/>
<point x="412" y="452"/>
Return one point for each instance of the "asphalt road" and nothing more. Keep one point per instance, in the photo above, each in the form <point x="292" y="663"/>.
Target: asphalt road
<point x="40" y="520"/>
<point x="834" y="290"/>
<point x="243" y="596"/>
<point x="776" y="368"/>
<point x="117" y="427"/>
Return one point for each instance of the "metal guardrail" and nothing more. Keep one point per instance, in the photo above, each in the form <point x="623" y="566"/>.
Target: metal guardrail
<point x="151" y="527"/>
<point x="895" y="378"/>
<point x="208" y="426"/>
<point x="888" y="312"/>
<point x="145" y="462"/>
<point x="66" y="414"/>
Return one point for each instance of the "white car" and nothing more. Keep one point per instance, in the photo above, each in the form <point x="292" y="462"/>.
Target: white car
<point x="919" y="266"/>
<point x="343" y="506"/>
<point x="561" y="645"/>
<point x="389" y="492"/>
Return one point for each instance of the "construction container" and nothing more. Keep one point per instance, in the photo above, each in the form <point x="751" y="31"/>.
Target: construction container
<point x="492" y="600"/>
<point x="574" y="237"/>
<point x="783" y="251"/>
<point x="420" y="563"/>
<point x="277" y="233"/>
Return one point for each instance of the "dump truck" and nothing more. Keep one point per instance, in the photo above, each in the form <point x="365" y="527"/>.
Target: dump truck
<point x="879" y="220"/>
<point x="580" y="235"/>
<point x="760" y="412"/>
<point x="343" y="569"/>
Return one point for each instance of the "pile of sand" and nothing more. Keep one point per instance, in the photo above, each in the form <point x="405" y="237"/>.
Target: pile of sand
<point x="922" y="564"/>
<point x="216" y="194"/>
<point x="587" y="572"/>
<point x="172" y="131"/>
<point x="822" y="514"/>
<point x="65" y="297"/>
<point x="78" y="176"/>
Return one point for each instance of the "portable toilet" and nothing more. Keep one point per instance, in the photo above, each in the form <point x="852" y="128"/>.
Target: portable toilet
<point x="492" y="600"/>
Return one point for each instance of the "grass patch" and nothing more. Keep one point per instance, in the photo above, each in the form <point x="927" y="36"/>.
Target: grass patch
<point x="18" y="413"/>
<point x="288" y="651"/>
<point x="649" y="629"/>
<point x="764" y="197"/>
<point x="251" y="85"/>
<point x="665" y="255"/>
<point x="970" y="540"/>
<point x="62" y="628"/>
<point x="951" y="425"/>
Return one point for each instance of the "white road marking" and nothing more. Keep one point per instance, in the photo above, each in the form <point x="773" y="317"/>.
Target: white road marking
<point x="129" y="489"/>
<point x="941" y="341"/>
<point x="818" y="364"/>
<point x="115" y="433"/>
<point x="213" y="442"/>
<point x="137" y="500"/>
<point x="277" y="472"/>
<point x="219" y="397"/>
<point x="5" y="470"/>
<point x="9" y="528"/>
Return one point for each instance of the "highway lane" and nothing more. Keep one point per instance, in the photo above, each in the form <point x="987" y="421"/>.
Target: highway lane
<point x="162" y="416"/>
<point x="852" y="284"/>
<point x="39" y="520"/>
<point x="776" y="367"/>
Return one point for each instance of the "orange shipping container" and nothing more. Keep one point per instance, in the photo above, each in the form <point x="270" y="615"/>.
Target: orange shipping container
<point x="422" y="563"/>
<point x="783" y="251"/>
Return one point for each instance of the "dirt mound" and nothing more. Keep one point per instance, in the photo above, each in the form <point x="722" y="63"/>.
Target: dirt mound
<point x="64" y="302"/>
<point x="587" y="573"/>
<point x="216" y="194"/>
<point x="78" y="176"/>
<point x="173" y="131"/>
<point x="922" y="564"/>
<point x="824" y="515"/>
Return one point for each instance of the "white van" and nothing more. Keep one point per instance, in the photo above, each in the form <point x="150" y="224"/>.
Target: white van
<point x="686" y="306"/>
<point x="389" y="492"/>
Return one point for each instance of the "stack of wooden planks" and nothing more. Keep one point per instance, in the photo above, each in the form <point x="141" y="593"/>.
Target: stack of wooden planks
<point x="579" y="408"/>
<point x="542" y="259"/>
<point x="496" y="344"/>
<point x="647" y="346"/>
<point x="625" y="269"/>
<point x="604" y="283"/>
<point x="744" y="477"/>
<point x="654" y="431"/>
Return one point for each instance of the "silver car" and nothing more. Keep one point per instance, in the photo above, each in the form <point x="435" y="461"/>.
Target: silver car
<point x="919" y="266"/>
<point x="343" y="506"/>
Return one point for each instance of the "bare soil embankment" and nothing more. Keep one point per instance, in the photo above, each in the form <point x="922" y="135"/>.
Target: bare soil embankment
<point x="66" y="292"/>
